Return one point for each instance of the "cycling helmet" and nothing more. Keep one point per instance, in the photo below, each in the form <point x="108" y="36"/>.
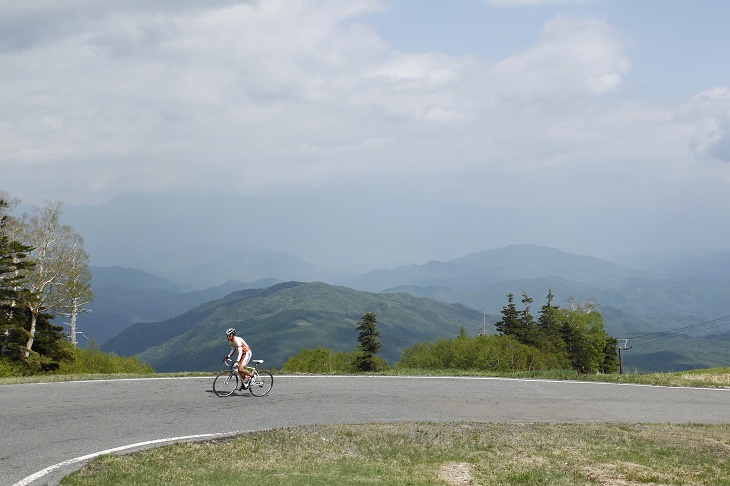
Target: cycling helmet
<point x="231" y="332"/>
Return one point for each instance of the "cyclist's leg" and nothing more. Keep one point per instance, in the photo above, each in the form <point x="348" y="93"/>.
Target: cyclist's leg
<point x="242" y="366"/>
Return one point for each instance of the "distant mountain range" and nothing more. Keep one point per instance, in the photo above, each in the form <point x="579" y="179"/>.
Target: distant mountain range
<point x="280" y="320"/>
<point x="635" y="302"/>
<point x="124" y="296"/>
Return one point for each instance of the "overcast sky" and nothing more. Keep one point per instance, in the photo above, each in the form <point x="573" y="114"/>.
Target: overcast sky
<point x="597" y="127"/>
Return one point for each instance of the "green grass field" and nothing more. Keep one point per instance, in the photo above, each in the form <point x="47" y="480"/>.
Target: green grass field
<point x="431" y="453"/>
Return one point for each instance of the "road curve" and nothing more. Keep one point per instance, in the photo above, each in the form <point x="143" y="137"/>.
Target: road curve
<point x="49" y="430"/>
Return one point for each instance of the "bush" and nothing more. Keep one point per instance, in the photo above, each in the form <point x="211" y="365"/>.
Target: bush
<point x="93" y="360"/>
<point x="319" y="360"/>
<point x="480" y="353"/>
<point x="10" y="368"/>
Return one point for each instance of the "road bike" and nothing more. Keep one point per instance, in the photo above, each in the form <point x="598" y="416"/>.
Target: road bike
<point x="227" y="381"/>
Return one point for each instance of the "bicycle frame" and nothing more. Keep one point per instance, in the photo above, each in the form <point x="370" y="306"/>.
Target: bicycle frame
<point x="259" y="384"/>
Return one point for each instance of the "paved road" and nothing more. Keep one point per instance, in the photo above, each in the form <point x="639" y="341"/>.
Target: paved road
<point x="47" y="429"/>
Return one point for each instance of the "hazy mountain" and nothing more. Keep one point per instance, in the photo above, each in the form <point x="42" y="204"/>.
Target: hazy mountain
<point x="123" y="296"/>
<point x="482" y="280"/>
<point x="633" y="302"/>
<point x="204" y="240"/>
<point x="702" y="264"/>
<point x="514" y="262"/>
<point x="281" y="320"/>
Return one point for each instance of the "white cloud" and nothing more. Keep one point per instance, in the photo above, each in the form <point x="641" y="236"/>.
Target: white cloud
<point x="260" y="95"/>
<point x="711" y="110"/>
<point x="574" y="57"/>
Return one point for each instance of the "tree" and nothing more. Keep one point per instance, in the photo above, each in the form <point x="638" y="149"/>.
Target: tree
<point x="61" y="264"/>
<point x="369" y="344"/>
<point x="509" y="324"/>
<point x="584" y="336"/>
<point x="75" y="291"/>
<point x="527" y="329"/>
<point x="549" y="326"/>
<point x="15" y="297"/>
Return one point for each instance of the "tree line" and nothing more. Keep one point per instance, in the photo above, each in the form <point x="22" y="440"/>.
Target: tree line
<point x="571" y="338"/>
<point x="44" y="273"/>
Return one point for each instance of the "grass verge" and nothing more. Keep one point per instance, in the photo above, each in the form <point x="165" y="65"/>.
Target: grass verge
<point x="434" y="453"/>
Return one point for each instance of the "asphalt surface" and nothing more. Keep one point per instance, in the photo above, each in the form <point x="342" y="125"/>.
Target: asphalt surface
<point x="49" y="430"/>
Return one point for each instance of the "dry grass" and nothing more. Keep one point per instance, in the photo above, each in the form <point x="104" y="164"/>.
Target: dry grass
<point x="721" y="379"/>
<point x="428" y="453"/>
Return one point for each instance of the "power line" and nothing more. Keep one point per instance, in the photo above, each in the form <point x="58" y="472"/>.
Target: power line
<point x="701" y="326"/>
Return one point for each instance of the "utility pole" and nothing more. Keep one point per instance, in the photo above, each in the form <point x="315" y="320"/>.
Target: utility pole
<point x="623" y="344"/>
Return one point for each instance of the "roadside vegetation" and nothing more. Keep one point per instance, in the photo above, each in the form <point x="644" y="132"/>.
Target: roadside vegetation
<point x="434" y="453"/>
<point x="44" y="273"/>
<point x="77" y="363"/>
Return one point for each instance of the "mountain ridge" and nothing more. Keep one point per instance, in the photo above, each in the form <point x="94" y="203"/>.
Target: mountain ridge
<point x="643" y="301"/>
<point x="280" y="320"/>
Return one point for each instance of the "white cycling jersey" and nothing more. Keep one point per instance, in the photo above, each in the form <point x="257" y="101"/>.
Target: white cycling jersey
<point x="244" y="351"/>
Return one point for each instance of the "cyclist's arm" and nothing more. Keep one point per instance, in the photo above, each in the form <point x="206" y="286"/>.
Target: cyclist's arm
<point x="240" y="354"/>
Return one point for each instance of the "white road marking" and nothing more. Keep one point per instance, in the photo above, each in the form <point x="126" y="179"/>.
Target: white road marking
<point x="29" y="479"/>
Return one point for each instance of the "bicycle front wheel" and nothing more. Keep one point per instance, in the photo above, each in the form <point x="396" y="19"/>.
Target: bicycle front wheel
<point x="261" y="383"/>
<point x="225" y="383"/>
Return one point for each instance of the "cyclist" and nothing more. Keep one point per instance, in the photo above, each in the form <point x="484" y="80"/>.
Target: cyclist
<point x="244" y="356"/>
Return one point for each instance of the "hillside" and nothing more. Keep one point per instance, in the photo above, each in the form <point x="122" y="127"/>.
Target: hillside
<point x="482" y="280"/>
<point x="280" y="320"/>
<point x="124" y="296"/>
<point x="633" y="302"/>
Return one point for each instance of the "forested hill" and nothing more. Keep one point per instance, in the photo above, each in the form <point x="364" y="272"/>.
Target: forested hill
<point x="280" y="320"/>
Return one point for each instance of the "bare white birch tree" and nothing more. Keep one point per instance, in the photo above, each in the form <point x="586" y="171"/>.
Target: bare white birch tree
<point x="60" y="262"/>
<point x="75" y="288"/>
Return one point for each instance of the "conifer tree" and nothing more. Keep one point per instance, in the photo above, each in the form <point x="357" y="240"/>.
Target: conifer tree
<point x="527" y="330"/>
<point x="14" y="294"/>
<point x="549" y="325"/>
<point x="509" y="323"/>
<point x="369" y="343"/>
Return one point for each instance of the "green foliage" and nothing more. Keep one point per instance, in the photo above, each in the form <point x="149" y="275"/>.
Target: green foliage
<point x="279" y="321"/>
<point x="93" y="360"/>
<point x="480" y="353"/>
<point x="560" y="339"/>
<point x="70" y="360"/>
<point x="573" y="338"/>
<point x="319" y="360"/>
<point x="13" y="367"/>
<point x="43" y="268"/>
<point x="368" y="338"/>
<point x="15" y="265"/>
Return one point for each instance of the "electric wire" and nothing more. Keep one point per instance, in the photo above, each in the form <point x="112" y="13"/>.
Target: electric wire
<point x="693" y="328"/>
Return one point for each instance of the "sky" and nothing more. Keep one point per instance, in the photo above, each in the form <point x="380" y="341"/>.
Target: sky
<point x="425" y="129"/>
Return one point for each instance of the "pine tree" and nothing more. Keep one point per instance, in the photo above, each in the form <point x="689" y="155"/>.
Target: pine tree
<point x="509" y="324"/>
<point x="369" y="343"/>
<point x="527" y="330"/>
<point x="14" y="294"/>
<point x="549" y="326"/>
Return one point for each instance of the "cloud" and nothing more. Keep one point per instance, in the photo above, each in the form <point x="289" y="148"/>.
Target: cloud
<point x="711" y="109"/>
<point x="574" y="57"/>
<point x="254" y="96"/>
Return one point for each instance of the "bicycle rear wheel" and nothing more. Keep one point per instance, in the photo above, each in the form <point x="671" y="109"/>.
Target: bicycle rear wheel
<point x="225" y="383"/>
<point x="261" y="383"/>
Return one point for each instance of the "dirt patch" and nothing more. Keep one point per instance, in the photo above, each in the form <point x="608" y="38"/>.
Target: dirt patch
<point x="457" y="473"/>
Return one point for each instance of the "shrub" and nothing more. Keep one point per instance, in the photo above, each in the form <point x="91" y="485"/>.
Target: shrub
<point x="93" y="360"/>
<point x="319" y="360"/>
